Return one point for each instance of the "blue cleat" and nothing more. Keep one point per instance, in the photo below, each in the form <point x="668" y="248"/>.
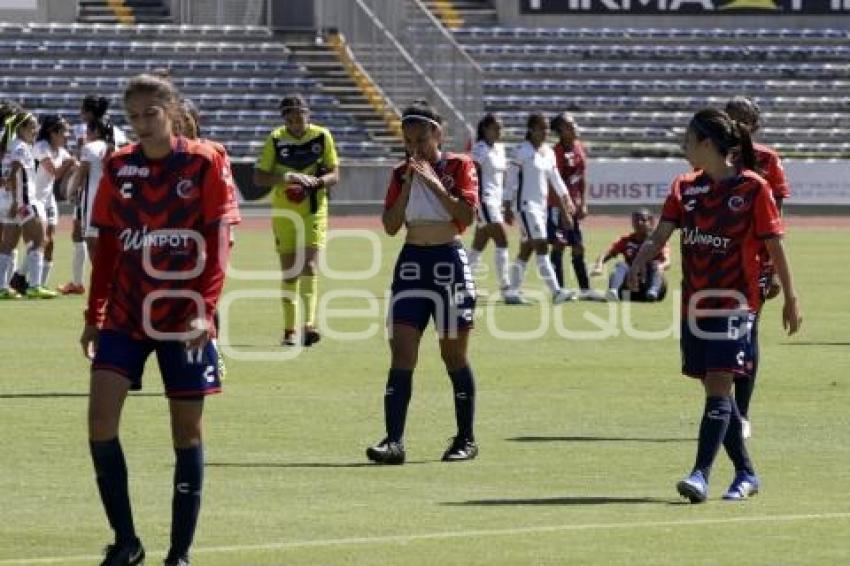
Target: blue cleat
<point x="694" y="488"/>
<point x="743" y="486"/>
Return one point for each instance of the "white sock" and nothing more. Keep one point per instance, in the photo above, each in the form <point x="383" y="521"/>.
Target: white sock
<point x="502" y="259"/>
<point x="517" y="275"/>
<point x="547" y="273"/>
<point x="45" y="272"/>
<point x="655" y="283"/>
<point x="474" y="257"/>
<point x="79" y="262"/>
<point x="13" y="261"/>
<point x="621" y="271"/>
<point x="35" y="265"/>
<point x="5" y="262"/>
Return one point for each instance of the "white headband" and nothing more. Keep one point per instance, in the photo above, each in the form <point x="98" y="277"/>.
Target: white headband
<point x="421" y="118"/>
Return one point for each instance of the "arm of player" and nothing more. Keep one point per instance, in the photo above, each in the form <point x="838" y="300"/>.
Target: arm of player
<point x="395" y="205"/>
<point x="565" y="201"/>
<point x="80" y="179"/>
<point x="649" y="250"/>
<point x="12" y="187"/>
<point x="601" y="260"/>
<point x="104" y="262"/>
<point x="211" y="282"/>
<point x="792" y="317"/>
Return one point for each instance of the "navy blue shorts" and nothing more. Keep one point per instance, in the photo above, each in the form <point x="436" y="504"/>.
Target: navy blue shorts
<point x="555" y="232"/>
<point x="729" y="349"/>
<point x="433" y="282"/>
<point x="184" y="373"/>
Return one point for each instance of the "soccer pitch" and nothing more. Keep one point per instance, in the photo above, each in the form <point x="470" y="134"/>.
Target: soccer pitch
<point x="581" y="441"/>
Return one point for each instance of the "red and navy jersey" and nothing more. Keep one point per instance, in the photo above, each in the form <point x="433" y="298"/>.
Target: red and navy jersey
<point x="769" y="166"/>
<point x="459" y="177"/>
<point x="629" y="246"/>
<point x="571" y="164"/>
<point x="152" y="216"/>
<point x="723" y="226"/>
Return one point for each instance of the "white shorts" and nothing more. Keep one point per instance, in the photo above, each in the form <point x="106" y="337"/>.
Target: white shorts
<point x="490" y="212"/>
<point x="87" y="204"/>
<point x="532" y="224"/>
<point x="5" y="203"/>
<point x="51" y="211"/>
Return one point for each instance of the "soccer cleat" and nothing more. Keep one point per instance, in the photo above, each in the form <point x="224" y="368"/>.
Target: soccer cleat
<point x="460" y="449"/>
<point x="516" y="299"/>
<point x="563" y="296"/>
<point x="172" y="560"/>
<point x="288" y="338"/>
<point x="124" y="554"/>
<point x="9" y="294"/>
<point x="651" y="297"/>
<point x="612" y="295"/>
<point x="743" y="486"/>
<point x="591" y="295"/>
<point x="40" y="293"/>
<point x="19" y="283"/>
<point x="310" y="336"/>
<point x="694" y="488"/>
<point x="746" y="428"/>
<point x="71" y="288"/>
<point x="386" y="452"/>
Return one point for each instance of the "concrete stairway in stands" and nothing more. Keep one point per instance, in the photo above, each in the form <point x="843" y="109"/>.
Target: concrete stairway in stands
<point x="123" y="12"/>
<point x="324" y="65"/>
<point x="459" y="13"/>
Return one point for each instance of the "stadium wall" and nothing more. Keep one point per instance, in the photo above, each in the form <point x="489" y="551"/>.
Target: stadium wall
<point x="663" y="13"/>
<point x="38" y="11"/>
<point x="612" y="183"/>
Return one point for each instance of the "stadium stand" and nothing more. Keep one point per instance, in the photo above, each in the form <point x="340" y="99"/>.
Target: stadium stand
<point x="632" y="88"/>
<point x="235" y="74"/>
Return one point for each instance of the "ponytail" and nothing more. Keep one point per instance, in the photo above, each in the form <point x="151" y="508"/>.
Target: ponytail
<point x="727" y="135"/>
<point x="747" y="153"/>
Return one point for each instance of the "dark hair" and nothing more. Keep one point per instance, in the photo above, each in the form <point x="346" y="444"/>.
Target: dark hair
<point x="96" y="105"/>
<point x="420" y="107"/>
<point x="104" y="130"/>
<point x="163" y="91"/>
<point x="534" y="119"/>
<point x="292" y="102"/>
<point x="644" y="213"/>
<point x="558" y="119"/>
<point x="13" y="124"/>
<point x="726" y="134"/>
<point x="8" y="108"/>
<point x="51" y="123"/>
<point x="488" y="120"/>
<point x="745" y="110"/>
<point x="188" y="124"/>
<point x="162" y="72"/>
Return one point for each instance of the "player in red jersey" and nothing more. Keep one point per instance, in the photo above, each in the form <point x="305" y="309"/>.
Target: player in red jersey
<point x="653" y="287"/>
<point x="769" y="166"/>
<point x="434" y="194"/>
<point x="163" y="209"/>
<point x="571" y="161"/>
<point x="726" y="213"/>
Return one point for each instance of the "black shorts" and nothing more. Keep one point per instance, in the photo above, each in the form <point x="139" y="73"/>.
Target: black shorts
<point x="727" y="346"/>
<point x="433" y="282"/>
<point x="555" y="231"/>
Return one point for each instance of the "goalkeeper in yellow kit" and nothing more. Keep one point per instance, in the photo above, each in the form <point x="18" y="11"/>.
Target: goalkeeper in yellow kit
<point x="300" y="164"/>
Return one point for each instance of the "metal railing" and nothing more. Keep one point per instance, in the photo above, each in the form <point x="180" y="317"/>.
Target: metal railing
<point x="401" y="48"/>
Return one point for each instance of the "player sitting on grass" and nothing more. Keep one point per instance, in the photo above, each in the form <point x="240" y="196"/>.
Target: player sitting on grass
<point x="653" y="287"/>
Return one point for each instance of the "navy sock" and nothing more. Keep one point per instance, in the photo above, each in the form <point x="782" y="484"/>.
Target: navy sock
<point x="712" y="431"/>
<point x="111" y="471"/>
<point x="581" y="272"/>
<point x="463" y="384"/>
<point x="396" y="400"/>
<point x="186" y="503"/>
<point x="556" y="256"/>
<point x="734" y="443"/>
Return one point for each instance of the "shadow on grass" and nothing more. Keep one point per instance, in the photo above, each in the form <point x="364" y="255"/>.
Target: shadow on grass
<point x="815" y="343"/>
<point x="584" y="500"/>
<point x="317" y="465"/>
<point x="62" y="395"/>
<point x="595" y="439"/>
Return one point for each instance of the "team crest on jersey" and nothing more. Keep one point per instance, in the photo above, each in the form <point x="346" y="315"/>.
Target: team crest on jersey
<point x="186" y="189"/>
<point x="133" y="171"/>
<point x="447" y="181"/>
<point x="736" y="203"/>
<point x="316" y="148"/>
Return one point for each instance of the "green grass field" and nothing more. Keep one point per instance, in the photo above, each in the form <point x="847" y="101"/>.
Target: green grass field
<point x="581" y="441"/>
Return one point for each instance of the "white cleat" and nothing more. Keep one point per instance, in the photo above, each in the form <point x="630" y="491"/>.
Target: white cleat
<point x="563" y="296"/>
<point x="612" y="296"/>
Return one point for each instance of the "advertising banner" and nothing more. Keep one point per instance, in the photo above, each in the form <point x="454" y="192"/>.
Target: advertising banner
<point x="686" y="7"/>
